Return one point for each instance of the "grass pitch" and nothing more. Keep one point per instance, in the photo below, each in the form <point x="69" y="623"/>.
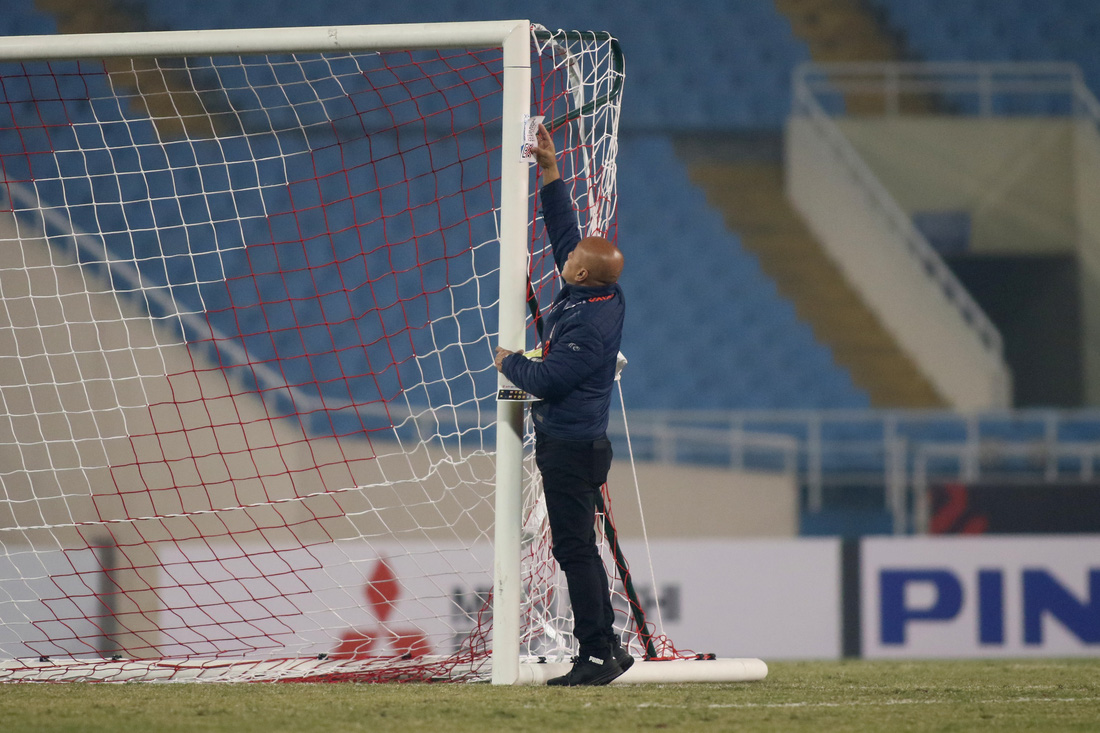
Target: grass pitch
<point x="804" y="696"/>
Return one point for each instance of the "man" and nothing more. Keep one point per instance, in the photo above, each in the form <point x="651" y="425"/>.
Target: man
<point x="573" y="382"/>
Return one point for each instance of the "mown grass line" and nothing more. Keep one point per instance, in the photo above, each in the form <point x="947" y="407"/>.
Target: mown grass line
<point x="804" y="696"/>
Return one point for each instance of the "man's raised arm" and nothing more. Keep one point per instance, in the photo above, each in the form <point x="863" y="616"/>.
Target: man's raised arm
<point x="557" y="208"/>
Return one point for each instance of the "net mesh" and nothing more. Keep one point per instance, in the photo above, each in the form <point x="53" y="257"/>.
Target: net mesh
<point x="247" y="313"/>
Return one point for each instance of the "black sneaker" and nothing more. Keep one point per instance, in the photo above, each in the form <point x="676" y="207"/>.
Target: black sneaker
<point x="590" y="670"/>
<point x="622" y="656"/>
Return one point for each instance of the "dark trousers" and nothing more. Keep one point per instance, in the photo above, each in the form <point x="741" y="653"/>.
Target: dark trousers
<point x="572" y="473"/>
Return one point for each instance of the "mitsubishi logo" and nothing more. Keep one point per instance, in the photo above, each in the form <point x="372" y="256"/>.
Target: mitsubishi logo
<point x="382" y="591"/>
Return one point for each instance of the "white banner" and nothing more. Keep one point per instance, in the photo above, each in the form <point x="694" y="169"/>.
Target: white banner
<point x="763" y="598"/>
<point x="52" y="603"/>
<point x="981" y="596"/>
<point x="734" y="598"/>
<point x="345" y="599"/>
<point x="755" y="598"/>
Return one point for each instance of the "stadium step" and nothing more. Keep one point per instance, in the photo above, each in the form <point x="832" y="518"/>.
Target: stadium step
<point x="839" y="30"/>
<point x="168" y="97"/>
<point x="849" y="30"/>
<point x="751" y="197"/>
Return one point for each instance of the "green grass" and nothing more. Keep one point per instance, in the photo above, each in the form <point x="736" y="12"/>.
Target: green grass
<point x="805" y="696"/>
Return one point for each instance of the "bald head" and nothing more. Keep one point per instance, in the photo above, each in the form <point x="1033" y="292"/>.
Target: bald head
<point x="595" y="262"/>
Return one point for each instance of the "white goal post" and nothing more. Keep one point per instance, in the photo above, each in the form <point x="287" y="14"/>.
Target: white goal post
<point x="249" y="289"/>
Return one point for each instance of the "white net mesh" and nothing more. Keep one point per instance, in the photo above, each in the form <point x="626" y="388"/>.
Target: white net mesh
<point x="247" y="315"/>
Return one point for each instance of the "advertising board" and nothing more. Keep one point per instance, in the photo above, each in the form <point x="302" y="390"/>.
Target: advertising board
<point x="1005" y="596"/>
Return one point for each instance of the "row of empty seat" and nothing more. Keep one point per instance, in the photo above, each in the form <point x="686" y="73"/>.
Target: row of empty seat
<point x="325" y="256"/>
<point x="999" y="30"/>
<point x="21" y="18"/>
<point x="733" y="343"/>
<point x="706" y="327"/>
<point x="713" y="65"/>
<point x="862" y="448"/>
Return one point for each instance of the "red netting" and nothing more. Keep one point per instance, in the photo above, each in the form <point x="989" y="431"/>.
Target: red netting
<point x="251" y="307"/>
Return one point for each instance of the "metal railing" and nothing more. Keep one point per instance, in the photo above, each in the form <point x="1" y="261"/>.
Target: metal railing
<point x="987" y="83"/>
<point x="811" y="81"/>
<point x="896" y="452"/>
<point x="672" y="442"/>
<point x="949" y="85"/>
<point x="1037" y="462"/>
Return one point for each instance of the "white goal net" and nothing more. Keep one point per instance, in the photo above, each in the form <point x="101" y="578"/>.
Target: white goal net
<point x="248" y="305"/>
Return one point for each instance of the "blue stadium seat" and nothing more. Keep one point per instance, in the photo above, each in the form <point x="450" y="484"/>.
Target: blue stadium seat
<point x="992" y="30"/>
<point x="734" y="343"/>
<point x="945" y="429"/>
<point x="738" y="323"/>
<point x="1084" y="429"/>
<point x="746" y="35"/>
<point x="34" y="24"/>
<point x="1012" y="429"/>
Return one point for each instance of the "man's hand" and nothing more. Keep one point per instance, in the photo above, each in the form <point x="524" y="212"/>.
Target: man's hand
<point x="546" y="155"/>
<point x="501" y="353"/>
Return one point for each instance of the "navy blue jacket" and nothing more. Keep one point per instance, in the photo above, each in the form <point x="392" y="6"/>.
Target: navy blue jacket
<point x="582" y="332"/>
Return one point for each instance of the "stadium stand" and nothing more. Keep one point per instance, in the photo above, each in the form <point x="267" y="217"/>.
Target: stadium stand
<point x="20" y="18"/>
<point x="999" y="30"/>
<point x="758" y="354"/>
<point x="692" y="78"/>
<point x="754" y="353"/>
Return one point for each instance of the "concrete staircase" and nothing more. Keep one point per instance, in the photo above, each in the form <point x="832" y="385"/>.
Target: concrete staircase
<point x="839" y="30"/>
<point x="749" y="190"/>
<point x="166" y="95"/>
<point x="847" y="30"/>
<point x="752" y="199"/>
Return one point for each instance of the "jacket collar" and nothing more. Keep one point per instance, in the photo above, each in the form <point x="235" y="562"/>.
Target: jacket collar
<point x="582" y="292"/>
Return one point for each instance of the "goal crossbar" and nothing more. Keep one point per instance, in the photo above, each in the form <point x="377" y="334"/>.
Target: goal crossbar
<point x="315" y="39"/>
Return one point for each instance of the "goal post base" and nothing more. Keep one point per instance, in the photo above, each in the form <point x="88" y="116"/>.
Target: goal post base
<point x="313" y="669"/>
<point x="675" y="670"/>
<point x="296" y="669"/>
